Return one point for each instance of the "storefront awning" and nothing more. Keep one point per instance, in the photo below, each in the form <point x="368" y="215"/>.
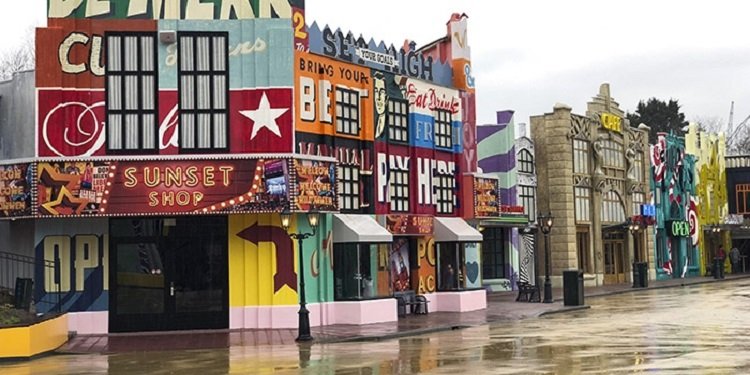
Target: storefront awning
<point x="358" y="228"/>
<point x="455" y="229"/>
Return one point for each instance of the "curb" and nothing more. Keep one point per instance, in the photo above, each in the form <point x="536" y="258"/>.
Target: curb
<point x="390" y="336"/>
<point x="563" y="310"/>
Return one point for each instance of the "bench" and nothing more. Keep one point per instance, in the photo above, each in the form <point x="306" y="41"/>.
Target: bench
<point x="527" y="292"/>
<point x="410" y="302"/>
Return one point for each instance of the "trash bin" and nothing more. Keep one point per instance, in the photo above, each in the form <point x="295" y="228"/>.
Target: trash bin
<point x="23" y="293"/>
<point x="636" y="276"/>
<point x="573" y="287"/>
<point x="643" y="274"/>
<point x="718" y="268"/>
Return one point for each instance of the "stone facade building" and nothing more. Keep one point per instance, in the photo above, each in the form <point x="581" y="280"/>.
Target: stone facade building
<point x="592" y="171"/>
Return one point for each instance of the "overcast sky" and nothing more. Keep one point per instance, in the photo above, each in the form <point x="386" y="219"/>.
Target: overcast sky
<point x="528" y="55"/>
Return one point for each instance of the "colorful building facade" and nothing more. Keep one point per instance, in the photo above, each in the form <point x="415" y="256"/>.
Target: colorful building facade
<point x="592" y="175"/>
<point x="502" y="247"/>
<point x="678" y="231"/>
<point x="711" y="190"/>
<point x="170" y="137"/>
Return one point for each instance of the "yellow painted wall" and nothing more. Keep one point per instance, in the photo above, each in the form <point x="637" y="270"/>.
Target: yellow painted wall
<point x="252" y="266"/>
<point x="710" y="182"/>
<point x="24" y="342"/>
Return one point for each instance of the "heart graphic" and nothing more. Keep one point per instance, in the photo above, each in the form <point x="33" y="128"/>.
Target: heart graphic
<point x="472" y="271"/>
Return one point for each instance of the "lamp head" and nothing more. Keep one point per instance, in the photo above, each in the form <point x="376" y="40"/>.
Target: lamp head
<point x="313" y="218"/>
<point x="286" y="218"/>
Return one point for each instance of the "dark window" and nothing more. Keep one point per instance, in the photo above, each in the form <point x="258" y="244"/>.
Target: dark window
<point x="399" y="186"/>
<point x="349" y="187"/>
<point x="525" y="161"/>
<point x="446" y="196"/>
<point x="131" y="92"/>
<point x="204" y="91"/>
<point x="443" y="129"/>
<point x="347" y="111"/>
<point x="355" y="271"/>
<point x="742" y="193"/>
<point x="527" y="195"/>
<point x="398" y="120"/>
<point x="493" y="253"/>
<point x="451" y="272"/>
<point x="582" y="248"/>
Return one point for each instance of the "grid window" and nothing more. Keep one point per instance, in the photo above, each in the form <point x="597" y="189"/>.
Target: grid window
<point x="528" y="200"/>
<point x="398" y="124"/>
<point x="399" y="190"/>
<point x="613" y="158"/>
<point x="612" y="208"/>
<point x="445" y="190"/>
<point x="525" y="161"/>
<point x="348" y="187"/>
<point x="204" y="91"/>
<point x="443" y="129"/>
<point x="131" y="91"/>
<point x="583" y="204"/>
<point x="347" y="111"/>
<point x="493" y="253"/>
<point x="638" y="165"/>
<point x="742" y="195"/>
<point x="582" y="249"/>
<point x="581" y="156"/>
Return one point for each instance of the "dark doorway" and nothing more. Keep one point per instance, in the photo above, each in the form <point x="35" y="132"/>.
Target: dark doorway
<point x="168" y="274"/>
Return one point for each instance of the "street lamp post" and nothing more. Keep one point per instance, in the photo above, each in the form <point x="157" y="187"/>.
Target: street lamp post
<point x="313" y="218"/>
<point x="634" y="228"/>
<point x="546" y="223"/>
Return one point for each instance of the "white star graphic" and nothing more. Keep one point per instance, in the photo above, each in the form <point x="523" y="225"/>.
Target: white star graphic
<point x="264" y="117"/>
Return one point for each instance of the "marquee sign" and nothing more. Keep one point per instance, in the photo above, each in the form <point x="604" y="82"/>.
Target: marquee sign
<point x="486" y="199"/>
<point x="611" y="122"/>
<point x="157" y="187"/>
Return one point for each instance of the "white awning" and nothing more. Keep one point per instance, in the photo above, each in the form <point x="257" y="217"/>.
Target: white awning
<point x="455" y="229"/>
<point x="358" y="228"/>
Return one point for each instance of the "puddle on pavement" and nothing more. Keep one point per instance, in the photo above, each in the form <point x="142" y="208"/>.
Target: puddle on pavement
<point x="692" y="330"/>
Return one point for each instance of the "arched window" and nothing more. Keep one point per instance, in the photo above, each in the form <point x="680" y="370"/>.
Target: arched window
<point x="525" y="161"/>
<point x="613" y="211"/>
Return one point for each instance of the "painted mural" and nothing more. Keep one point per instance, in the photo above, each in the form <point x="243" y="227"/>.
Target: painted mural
<point x="677" y="220"/>
<point x="78" y="249"/>
<point x="73" y="89"/>
<point x="16" y="181"/>
<point x="173" y="9"/>
<point x="406" y="61"/>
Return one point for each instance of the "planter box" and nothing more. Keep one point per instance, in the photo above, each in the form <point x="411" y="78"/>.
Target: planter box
<point x="24" y="342"/>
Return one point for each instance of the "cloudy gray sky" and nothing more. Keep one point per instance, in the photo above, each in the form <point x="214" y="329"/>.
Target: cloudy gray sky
<point x="528" y="55"/>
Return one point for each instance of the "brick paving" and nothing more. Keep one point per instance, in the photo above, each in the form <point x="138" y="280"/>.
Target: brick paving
<point x="501" y="306"/>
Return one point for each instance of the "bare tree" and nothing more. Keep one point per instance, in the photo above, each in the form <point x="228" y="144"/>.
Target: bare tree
<point x="20" y="58"/>
<point x="710" y="124"/>
<point x="737" y="141"/>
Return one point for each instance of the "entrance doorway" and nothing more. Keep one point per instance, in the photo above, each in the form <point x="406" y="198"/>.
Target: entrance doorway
<point x="614" y="257"/>
<point x="168" y="274"/>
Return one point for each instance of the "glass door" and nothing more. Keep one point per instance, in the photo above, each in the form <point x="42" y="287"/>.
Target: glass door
<point x="614" y="257"/>
<point x="168" y="274"/>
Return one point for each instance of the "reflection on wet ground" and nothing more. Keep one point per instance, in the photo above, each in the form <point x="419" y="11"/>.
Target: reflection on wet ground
<point x="697" y="329"/>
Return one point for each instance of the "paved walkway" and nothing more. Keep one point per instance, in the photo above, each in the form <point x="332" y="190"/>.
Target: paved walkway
<point x="500" y="307"/>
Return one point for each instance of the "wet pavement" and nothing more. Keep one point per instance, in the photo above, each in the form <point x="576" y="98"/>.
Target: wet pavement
<point x="678" y="330"/>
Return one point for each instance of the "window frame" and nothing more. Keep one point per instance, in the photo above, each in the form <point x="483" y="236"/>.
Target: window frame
<point x="353" y="183"/>
<point x="445" y="193"/>
<point x="525" y="161"/>
<point x="398" y="203"/>
<point x="140" y="74"/>
<point x="212" y="73"/>
<point x="443" y="118"/>
<point x="583" y="244"/>
<point x="393" y="127"/>
<point x="582" y="203"/>
<point x="493" y="245"/>
<point x="581" y="156"/>
<point x="742" y="190"/>
<point x="353" y="107"/>
<point x="527" y="196"/>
